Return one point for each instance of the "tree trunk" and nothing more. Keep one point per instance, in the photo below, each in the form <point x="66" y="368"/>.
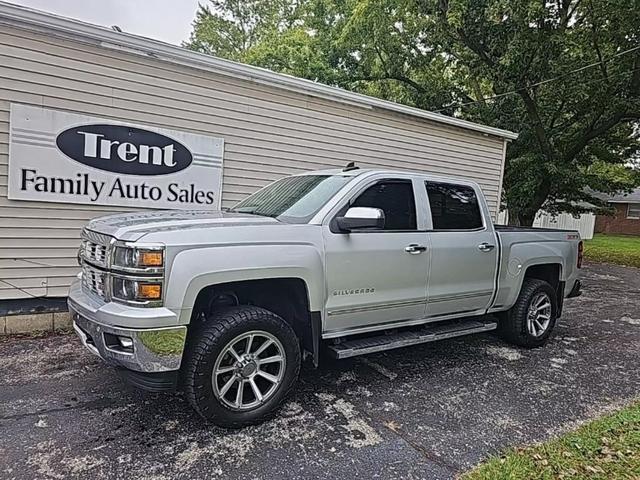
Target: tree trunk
<point x="526" y="218"/>
<point x="527" y="215"/>
<point x="512" y="219"/>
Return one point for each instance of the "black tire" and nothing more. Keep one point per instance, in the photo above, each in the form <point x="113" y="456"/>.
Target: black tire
<point x="513" y="325"/>
<point x="207" y="344"/>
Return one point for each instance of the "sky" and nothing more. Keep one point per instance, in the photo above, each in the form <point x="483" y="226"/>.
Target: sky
<point x="166" y="20"/>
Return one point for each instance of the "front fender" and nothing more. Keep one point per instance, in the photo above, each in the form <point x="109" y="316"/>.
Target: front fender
<point x="194" y="269"/>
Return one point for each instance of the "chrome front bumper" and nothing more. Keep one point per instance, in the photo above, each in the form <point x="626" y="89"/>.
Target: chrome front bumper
<point x="147" y="350"/>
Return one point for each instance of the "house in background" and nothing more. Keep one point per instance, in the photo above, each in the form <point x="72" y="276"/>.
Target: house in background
<point x="626" y="218"/>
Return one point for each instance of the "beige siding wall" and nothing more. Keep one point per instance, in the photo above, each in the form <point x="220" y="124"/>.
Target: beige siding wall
<point x="268" y="133"/>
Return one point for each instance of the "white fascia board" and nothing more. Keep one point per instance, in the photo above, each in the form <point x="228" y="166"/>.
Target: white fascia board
<point x="51" y="24"/>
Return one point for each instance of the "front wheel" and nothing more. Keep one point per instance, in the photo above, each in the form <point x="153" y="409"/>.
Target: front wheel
<point x="530" y="321"/>
<point x="240" y="366"/>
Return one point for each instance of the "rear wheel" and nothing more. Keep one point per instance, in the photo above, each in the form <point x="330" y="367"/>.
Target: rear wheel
<point x="530" y="321"/>
<point x="241" y="365"/>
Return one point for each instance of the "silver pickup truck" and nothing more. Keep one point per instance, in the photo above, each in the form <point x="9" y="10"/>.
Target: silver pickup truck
<point x="226" y="305"/>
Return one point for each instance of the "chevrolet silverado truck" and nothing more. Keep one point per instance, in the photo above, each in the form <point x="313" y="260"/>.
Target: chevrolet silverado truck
<point x="338" y="263"/>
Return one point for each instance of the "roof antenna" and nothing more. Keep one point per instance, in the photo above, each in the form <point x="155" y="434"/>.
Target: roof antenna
<point x="116" y="28"/>
<point x="350" y="166"/>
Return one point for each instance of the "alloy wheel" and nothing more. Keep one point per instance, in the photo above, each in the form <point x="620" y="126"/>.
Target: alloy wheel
<point x="249" y="370"/>
<point x="539" y="314"/>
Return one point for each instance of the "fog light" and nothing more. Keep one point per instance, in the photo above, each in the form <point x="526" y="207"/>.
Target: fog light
<point x="117" y="343"/>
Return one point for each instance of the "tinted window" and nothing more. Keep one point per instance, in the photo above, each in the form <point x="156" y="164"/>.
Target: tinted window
<point x="395" y="199"/>
<point x="453" y="207"/>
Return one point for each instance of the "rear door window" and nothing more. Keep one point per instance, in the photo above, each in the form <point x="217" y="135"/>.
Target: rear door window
<point x="453" y="207"/>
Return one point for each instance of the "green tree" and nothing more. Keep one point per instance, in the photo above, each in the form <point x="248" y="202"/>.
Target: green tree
<point x="564" y="74"/>
<point x="230" y="28"/>
<point x="567" y="74"/>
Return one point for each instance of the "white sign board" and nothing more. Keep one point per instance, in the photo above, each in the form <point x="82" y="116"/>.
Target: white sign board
<point x="66" y="157"/>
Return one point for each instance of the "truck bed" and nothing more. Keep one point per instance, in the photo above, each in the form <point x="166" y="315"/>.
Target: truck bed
<point x="513" y="228"/>
<point x="522" y="247"/>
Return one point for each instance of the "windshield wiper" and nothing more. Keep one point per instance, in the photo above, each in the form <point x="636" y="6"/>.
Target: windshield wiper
<point x="251" y="211"/>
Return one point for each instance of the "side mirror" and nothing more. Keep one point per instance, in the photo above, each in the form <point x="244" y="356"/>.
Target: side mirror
<point x="361" y="218"/>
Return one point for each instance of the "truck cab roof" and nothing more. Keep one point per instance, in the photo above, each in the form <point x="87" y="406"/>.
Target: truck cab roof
<point x="362" y="172"/>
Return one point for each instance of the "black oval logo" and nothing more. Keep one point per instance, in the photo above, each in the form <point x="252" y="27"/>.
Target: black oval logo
<point x="123" y="149"/>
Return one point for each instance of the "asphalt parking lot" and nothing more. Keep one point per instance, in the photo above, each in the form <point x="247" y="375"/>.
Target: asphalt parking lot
<point x="430" y="411"/>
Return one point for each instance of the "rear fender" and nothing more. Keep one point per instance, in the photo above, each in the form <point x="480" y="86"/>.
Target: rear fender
<point x="518" y="260"/>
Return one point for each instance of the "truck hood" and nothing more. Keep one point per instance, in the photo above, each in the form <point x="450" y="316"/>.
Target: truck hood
<point x="133" y="226"/>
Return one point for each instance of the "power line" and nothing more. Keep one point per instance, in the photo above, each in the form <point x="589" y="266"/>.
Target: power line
<point x="33" y="262"/>
<point x="542" y="82"/>
<point x="46" y="287"/>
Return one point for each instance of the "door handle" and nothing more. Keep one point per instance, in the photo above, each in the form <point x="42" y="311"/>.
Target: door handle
<point x="414" y="249"/>
<point x="486" y="247"/>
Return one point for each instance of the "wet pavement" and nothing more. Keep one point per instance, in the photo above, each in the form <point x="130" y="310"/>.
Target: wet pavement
<point x="430" y="411"/>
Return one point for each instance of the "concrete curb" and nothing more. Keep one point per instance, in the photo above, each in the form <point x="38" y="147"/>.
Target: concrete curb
<point x="34" y="323"/>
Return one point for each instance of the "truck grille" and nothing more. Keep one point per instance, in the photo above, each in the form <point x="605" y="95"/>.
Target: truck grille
<point x="94" y="256"/>
<point x="94" y="253"/>
<point x="94" y="280"/>
<point x="95" y="248"/>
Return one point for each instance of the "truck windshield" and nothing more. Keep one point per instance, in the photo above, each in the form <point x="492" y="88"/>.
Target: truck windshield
<point x="293" y="199"/>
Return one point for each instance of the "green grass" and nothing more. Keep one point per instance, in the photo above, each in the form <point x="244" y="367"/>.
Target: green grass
<point x="619" y="249"/>
<point x="607" y="448"/>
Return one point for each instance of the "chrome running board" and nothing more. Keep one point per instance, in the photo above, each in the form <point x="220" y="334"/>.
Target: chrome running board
<point x="431" y="333"/>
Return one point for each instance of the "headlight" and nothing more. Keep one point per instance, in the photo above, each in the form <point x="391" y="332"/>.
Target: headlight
<point x="136" y="290"/>
<point x="138" y="258"/>
<point x="137" y="274"/>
